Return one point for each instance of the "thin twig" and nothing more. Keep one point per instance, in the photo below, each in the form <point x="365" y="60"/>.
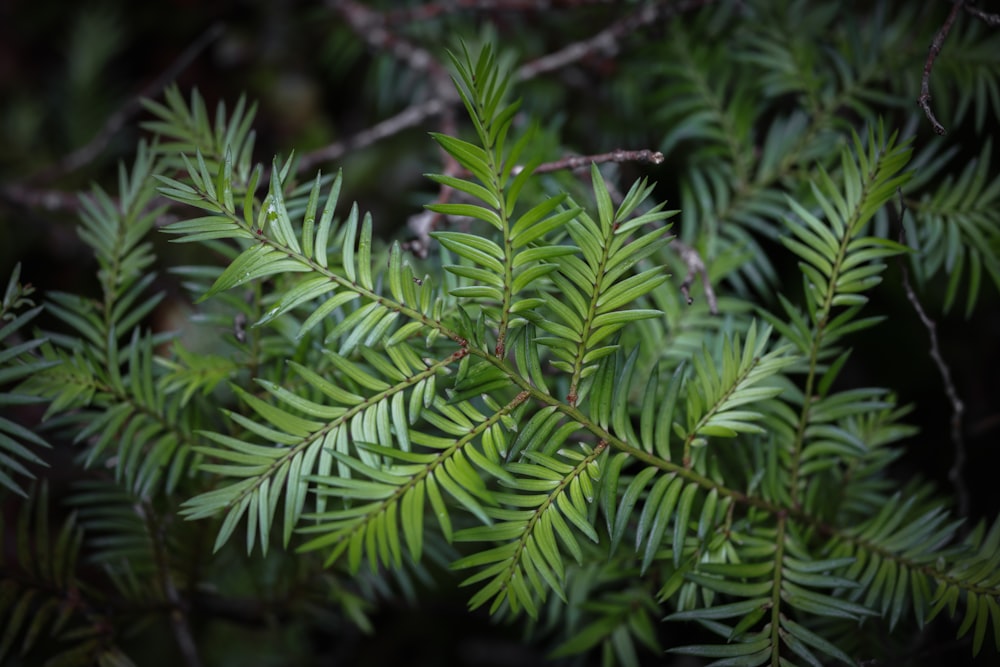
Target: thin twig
<point x="606" y="42"/>
<point x="51" y="200"/>
<point x="370" y="26"/>
<point x="695" y="266"/>
<point x="992" y="20"/>
<point x="423" y="223"/>
<point x="40" y="198"/>
<point x="435" y="9"/>
<point x="582" y="161"/>
<point x="409" y="117"/>
<point x="89" y="151"/>
<point x="957" y="472"/>
<point x="935" y="49"/>
<point x="418" y="113"/>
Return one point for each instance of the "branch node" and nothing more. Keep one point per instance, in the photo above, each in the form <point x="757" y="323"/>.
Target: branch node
<point x="696" y="267"/>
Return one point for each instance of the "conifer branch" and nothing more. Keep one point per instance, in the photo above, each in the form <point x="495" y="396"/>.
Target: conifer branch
<point x="370" y="25"/>
<point x="534" y="404"/>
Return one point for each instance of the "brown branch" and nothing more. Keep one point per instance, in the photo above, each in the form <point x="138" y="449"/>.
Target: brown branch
<point x="370" y="26"/>
<point x="582" y="161"/>
<point x="51" y="200"/>
<point x="695" y="266"/>
<point x="435" y="9"/>
<point x="606" y="42"/>
<point x="992" y="20"/>
<point x="40" y="198"/>
<point x="935" y="49"/>
<point x="423" y="223"/>
<point x="957" y="472"/>
<point x="409" y="117"/>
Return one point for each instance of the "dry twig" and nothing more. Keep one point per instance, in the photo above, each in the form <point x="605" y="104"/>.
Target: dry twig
<point x="582" y="161"/>
<point x="957" y="472"/>
<point x="992" y="20"/>
<point x="432" y="10"/>
<point x="409" y="117"/>
<point x="607" y="41"/>
<point x="935" y="49"/>
<point x="371" y="27"/>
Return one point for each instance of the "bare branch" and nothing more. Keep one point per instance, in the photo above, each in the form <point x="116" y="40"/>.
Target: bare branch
<point x="935" y="49"/>
<point x="40" y="198"/>
<point x="607" y="41"/>
<point x="409" y="117"/>
<point x="425" y="222"/>
<point x="370" y="26"/>
<point x="52" y="200"/>
<point x="992" y="20"/>
<point x="957" y="472"/>
<point x="583" y="161"/>
<point x="435" y="9"/>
